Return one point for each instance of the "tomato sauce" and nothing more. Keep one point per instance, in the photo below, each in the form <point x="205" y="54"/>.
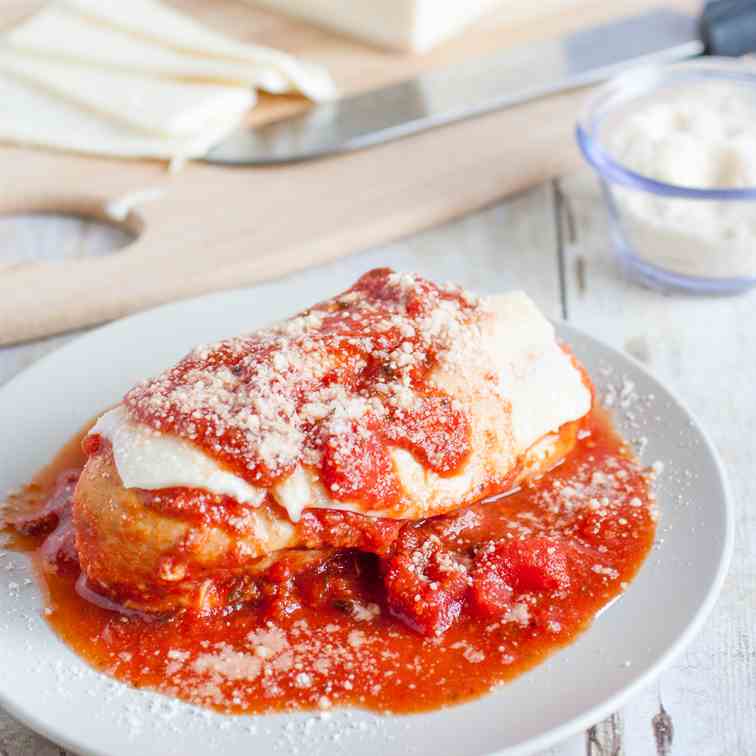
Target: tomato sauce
<point x="443" y="611"/>
<point x="365" y="345"/>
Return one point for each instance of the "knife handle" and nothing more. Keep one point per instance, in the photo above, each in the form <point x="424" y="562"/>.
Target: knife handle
<point x="728" y="27"/>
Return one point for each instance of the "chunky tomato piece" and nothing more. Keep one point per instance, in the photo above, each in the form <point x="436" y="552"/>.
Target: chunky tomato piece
<point x="428" y="602"/>
<point x="364" y="472"/>
<point x="425" y="583"/>
<point x="436" y="431"/>
<point x="536" y="564"/>
<point x="91" y="444"/>
<point x="337" y="581"/>
<point x="505" y="568"/>
<point x="333" y="528"/>
<point x="279" y="591"/>
<point x="490" y="593"/>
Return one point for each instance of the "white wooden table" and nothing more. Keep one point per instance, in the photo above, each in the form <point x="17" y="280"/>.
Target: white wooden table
<point x="553" y="242"/>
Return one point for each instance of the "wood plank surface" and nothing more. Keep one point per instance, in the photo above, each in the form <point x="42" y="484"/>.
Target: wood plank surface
<point x="703" y="348"/>
<point x="215" y="227"/>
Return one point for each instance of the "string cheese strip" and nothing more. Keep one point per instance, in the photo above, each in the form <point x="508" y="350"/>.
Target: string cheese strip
<point x="165" y="26"/>
<point x="60" y="32"/>
<point x="118" y="209"/>
<point x="30" y="116"/>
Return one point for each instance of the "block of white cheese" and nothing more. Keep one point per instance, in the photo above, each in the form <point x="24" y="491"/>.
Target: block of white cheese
<point x="31" y="116"/>
<point x="415" y="25"/>
<point x="167" y="27"/>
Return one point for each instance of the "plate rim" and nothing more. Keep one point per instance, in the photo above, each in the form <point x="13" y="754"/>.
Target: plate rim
<point x="556" y="734"/>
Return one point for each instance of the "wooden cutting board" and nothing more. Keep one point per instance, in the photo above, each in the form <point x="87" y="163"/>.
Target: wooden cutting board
<point x="211" y="227"/>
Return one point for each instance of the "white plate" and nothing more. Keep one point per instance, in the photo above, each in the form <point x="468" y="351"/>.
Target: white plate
<point x="46" y="686"/>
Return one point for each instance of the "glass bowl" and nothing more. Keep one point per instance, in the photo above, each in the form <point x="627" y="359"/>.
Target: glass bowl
<point x="671" y="235"/>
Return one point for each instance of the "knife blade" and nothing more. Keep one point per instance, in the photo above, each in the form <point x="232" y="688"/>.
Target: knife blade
<point x="481" y="86"/>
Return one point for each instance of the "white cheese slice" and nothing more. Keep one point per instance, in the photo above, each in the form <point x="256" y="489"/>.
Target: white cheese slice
<point x="31" y="116"/>
<point x="169" y="28"/>
<point x="61" y="32"/>
<point x="415" y="25"/>
<point x="544" y="387"/>
<point x="154" y="106"/>
<point x="151" y="460"/>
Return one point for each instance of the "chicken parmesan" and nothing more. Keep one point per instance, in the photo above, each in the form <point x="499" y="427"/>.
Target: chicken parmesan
<point x="404" y="464"/>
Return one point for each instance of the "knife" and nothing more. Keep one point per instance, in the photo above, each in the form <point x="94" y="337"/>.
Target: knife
<point x="492" y="83"/>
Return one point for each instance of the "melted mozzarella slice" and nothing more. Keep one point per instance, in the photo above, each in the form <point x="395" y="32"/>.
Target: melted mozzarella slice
<point x="539" y="380"/>
<point x="536" y="375"/>
<point x="147" y="459"/>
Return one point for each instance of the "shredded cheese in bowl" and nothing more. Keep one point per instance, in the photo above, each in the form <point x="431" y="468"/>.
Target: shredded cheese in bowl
<point x="675" y="149"/>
